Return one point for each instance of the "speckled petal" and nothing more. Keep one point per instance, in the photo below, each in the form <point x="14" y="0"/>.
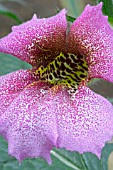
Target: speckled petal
<point x="11" y="85"/>
<point x="32" y="38"/>
<point x="29" y="124"/>
<point x="93" y="37"/>
<point x="40" y="119"/>
<point x="84" y="124"/>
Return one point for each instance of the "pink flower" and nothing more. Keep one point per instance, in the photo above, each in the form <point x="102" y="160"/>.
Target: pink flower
<point x="37" y="109"/>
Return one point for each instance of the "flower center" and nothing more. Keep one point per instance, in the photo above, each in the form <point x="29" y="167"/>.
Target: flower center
<point x="67" y="69"/>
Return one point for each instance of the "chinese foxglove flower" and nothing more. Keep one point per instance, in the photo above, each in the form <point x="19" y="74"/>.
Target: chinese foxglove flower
<point x="37" y="110"/>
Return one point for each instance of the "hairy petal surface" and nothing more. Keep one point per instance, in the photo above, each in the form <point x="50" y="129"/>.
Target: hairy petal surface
<point x="39" y="119"/>
<point x="84" y="124"/>
<point x="11" y="85"/>
<point x="29" y="40"/>
<point x="93" y="37"/>
<point x="29" y="124"/>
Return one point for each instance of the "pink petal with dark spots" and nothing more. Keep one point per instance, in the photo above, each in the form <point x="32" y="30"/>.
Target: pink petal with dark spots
<point x="11" y="85"/>
<point x="39" y="119"/>
<point x="85" y="123"/>
<point x="29" y="40"/>
<point x="29" y="124"/>
<point x="93" y="37"/>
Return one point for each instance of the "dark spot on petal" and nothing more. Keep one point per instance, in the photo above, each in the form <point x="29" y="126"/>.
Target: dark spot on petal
<point x="56" y="64"/>
<point x="62" y="67"/>
<point x="52" y="66"/>
<point x="68" y="61"/>
<point x="68" y="70"/>
<point x="55" y="74"/>
<point x="63" y="73"/>
<point x="62" y="59"/>
<point x="58" y="72"/>
<point x="50" y="77"/>
<point x="82" y="76"/>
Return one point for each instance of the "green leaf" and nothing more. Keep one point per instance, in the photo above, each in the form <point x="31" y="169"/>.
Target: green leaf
<point x="69" y="18"/>
<point x="72" y="160"/>
<point x="6" y="12"/>
<point x="74" y="7"/>
<point x="105" y="155"/>
<point x="4" y="157"/>
<point x="10" y="63"/>
<point x="110" y="19"/>
<point x="107" y="7"/>
<point x="22" y="2"/>
<point x="92" y="162"/>
<point x="86" y="161"/>
<point x="61" y="160"/>
<point x="11" y="15"/>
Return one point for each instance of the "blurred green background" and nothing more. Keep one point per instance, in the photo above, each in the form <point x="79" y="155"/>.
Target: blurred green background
<point x="23" y="10"/>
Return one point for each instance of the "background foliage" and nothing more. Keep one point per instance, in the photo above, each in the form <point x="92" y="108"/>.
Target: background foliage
<point x="62" y="159"/>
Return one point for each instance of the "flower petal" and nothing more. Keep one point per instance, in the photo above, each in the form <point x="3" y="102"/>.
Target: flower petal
<point x="29" y="124"/>
<point x="84" y="124"/>
<point x="39" y="119"/>
<point x="29" y="40"/>
<point x="11" y="85"/>
<point x="93" y="37"/>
